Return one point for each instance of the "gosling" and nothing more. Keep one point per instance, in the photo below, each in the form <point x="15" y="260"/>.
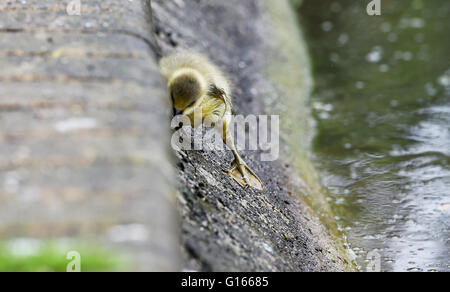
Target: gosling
<point x="198" y="87"/>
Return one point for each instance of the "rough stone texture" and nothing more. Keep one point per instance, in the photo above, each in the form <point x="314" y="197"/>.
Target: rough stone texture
<point x="84" y="135"/>
<point x="83" y="129"/>
<point x="224" y="227"/>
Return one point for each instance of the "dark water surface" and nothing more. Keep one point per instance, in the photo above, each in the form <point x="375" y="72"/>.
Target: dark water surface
<point x="382" y="105"/>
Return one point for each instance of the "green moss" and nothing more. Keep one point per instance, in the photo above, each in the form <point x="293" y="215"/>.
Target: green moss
<point x="35" y="256"/>
<point x="290" y="70"/>
<point x="297" y="3"/>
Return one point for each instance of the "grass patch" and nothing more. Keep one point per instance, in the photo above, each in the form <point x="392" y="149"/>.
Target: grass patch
<point x="29" y="255"/>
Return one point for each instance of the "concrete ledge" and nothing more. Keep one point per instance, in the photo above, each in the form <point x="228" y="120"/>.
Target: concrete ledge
<point x="83" y="135"/>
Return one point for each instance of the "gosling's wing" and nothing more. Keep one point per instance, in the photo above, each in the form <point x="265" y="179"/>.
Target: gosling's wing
<point x="221" y="94"/>
<point x="208" y="102"/>
<point x="210" y="110"/>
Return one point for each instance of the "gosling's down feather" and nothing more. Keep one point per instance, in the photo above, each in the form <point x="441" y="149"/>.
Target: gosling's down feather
<point x="191" y="79"/>
<point x="171" y="66"/>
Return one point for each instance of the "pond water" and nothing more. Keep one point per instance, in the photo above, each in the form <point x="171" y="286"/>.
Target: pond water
<point x="382" y="105"/>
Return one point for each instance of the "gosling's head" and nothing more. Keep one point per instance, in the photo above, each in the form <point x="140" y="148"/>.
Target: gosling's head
<point x="186" y="86"/>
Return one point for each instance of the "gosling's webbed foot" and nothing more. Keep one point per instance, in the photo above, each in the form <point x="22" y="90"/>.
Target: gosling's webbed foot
<point x="244" y="176"/>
